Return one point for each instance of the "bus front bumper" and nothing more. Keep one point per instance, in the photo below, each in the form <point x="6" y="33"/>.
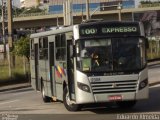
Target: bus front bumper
<point x="85" y="97"/>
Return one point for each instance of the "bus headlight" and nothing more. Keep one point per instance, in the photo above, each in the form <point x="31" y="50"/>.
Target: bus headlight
<point x="143" y="84"/>
<point x="83" y="87"/>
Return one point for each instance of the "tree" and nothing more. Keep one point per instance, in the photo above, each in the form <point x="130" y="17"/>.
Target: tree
<point x="17" y="11"/>
<point x="22" y="48"/>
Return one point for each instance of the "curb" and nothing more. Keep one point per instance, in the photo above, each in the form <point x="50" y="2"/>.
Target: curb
<point x="150" y="64"/>
<point x="15" y="88"/>
<point x="155" y="83"/>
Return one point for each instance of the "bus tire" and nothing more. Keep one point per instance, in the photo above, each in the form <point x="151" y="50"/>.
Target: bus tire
<point x="46" y="99"/>
<point x="66" y="100"/>
<point x="126" y="104"/>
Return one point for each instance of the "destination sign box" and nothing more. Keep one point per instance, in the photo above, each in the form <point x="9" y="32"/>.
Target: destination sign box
<point x="111" y="29"/>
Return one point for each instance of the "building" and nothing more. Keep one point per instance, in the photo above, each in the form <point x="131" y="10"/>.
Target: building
<point x="29" y="3"/>
<point x="44" y="1"/>
<point x="56" y="6"/>
<point x="60" y="2"/>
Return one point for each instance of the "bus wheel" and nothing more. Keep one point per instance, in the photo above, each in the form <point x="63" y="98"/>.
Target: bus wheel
<point x="45" y="98"/>
<point x="67" y="103"/>
<point x="126" y="104"/>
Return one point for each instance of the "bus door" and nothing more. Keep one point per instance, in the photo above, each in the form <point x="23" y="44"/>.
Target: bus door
<point x="36" y="67"/>
<point x="51" y="64"/>
<point x="70" y="68"/>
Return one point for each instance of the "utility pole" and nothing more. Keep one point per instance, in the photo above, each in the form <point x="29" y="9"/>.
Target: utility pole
<point x="3" y="26"/>
<point x="10" y="24"/>
<point x="70" y="15"/>
<point x="11" y="58"/>
<point x="87" y="10"/>
<point x="57" y="22"/>
<point x="64" y="13"/>
<point x="67" y="13"/>
<point x="66" y="10"/>
<point x="82" y="12"/>
<point x="119" y="13"/>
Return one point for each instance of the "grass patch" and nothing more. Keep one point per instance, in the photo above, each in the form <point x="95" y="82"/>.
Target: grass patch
<point x="4" y="72"/>
<point x="17" y="72"/>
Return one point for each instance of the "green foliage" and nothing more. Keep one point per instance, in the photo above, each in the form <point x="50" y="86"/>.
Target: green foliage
<point x="34" y="10"/>
<point x="21" y="47"/>
<point x="20" y="11"/>
<point x="17" y="11"/>
<point x="149" y="2"/>
<point x="145" y="2"/>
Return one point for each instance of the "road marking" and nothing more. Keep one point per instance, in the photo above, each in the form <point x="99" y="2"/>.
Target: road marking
<point x="8" y="102"/>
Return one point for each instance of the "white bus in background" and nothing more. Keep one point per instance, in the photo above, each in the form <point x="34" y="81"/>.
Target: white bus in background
<point x="94" y="62"/>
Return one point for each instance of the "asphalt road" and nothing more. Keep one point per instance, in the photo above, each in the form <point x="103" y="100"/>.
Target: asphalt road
<point x="27" y="104"/>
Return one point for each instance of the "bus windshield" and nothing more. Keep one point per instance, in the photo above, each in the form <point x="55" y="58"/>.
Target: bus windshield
<point x="110" y="54"/>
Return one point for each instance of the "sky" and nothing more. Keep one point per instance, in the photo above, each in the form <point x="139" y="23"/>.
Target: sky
<point x="137" y="2"/>
<point x="16" y="3"/>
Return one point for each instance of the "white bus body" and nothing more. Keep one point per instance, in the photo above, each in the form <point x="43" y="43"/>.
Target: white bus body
<point x="117" y="74"/>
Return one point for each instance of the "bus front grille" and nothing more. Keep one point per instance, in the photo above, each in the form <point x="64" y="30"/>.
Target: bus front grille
<point x="114" y="86"/>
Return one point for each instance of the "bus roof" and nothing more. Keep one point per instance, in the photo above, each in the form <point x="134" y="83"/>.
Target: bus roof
<point x="52" y="32"/>
<point x="110" y="22"/>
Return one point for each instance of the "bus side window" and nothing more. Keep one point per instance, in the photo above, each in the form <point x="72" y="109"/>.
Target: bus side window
<point x="63" y="49"/>
<point x="60" y="47"/>
<point x="43" y="48"/>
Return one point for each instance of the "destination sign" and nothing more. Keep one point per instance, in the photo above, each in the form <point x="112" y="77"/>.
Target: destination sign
<point x="119" y="29"/>
<point x="109" y="30"/>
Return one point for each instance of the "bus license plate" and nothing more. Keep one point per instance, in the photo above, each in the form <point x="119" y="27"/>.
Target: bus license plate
<point x="115" y="98"/>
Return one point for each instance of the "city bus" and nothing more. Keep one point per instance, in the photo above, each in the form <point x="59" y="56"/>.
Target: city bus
<point x="91" y="63"/>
